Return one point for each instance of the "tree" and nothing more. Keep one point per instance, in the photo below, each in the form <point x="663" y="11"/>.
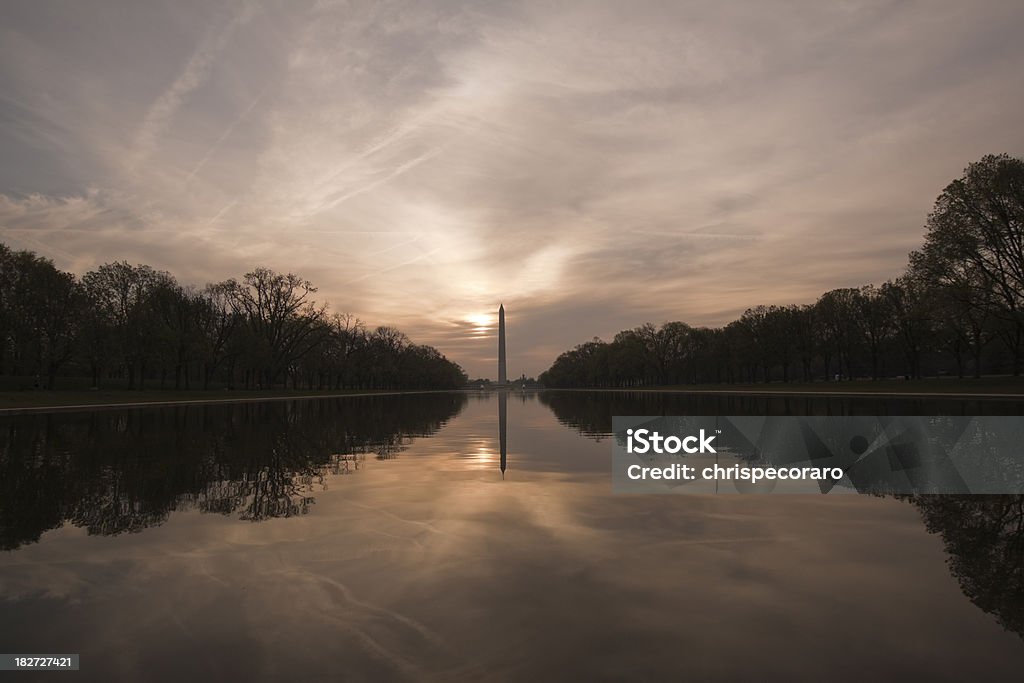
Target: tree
<point x="673" y="344"/>
<point x="770" y="329"/>
<point x="837" y="312"/>
<point x="755" y="321"/>
<point x="806" y="337"/>
<point x="6" y="302"/>
<point x="347" y="335"/>
<point x="975" y="237"/>
<point x="908" y="297"/>
<point x="40" y="307"/>
<point x="282" y="317"/>
<point x="123" y="296"/>
<point x="56" y="318"/>
<point x="217" y="323"/>
<point x="627" y="359"/>
<point x="140" y="323"/>
<point x="742" y="351"/>
<point x="875" y="317"/>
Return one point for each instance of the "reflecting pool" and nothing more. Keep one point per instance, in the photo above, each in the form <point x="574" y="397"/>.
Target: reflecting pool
<point x="457" y="536"/>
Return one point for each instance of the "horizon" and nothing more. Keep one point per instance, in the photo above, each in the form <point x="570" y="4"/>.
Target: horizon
<point x="593" y="166"/>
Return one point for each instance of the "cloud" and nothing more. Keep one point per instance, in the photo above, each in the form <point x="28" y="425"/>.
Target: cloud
<point x="593" y="165"/>
<point x="160" y="115"/>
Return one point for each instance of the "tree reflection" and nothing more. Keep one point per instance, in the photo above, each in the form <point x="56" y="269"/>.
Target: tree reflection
<point x="984" y="539"/>
<point x="112" y="472"/>
<point x="590" y="412"/>
<point x="983" y="535"/>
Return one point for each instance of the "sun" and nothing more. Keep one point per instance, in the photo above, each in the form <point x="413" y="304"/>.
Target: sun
<point x="480" y="319"/>
<point x="482" y="323"/>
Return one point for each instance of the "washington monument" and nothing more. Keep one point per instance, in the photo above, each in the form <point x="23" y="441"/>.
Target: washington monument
<point x="502" y="377"/>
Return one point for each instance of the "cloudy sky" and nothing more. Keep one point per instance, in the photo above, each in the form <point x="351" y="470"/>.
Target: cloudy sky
<point x="592" y="165"/>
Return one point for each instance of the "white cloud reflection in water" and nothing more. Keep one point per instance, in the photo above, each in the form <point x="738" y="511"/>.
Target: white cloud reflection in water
<point x="429" y="566"/>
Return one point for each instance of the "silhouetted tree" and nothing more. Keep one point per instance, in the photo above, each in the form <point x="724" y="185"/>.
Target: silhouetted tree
<point x="875" y="313"/>
<point x="40" y="312"/>
<point x="837" y="310"/>
<point x="281" y="316"/>
<point x="217" y="323"/>
<point x="140" y="323"/>
<point x="975" y="238"/>
<point x="911" y="306"/>
<point x="963" y="289"/>
<point x="124" y="297"/>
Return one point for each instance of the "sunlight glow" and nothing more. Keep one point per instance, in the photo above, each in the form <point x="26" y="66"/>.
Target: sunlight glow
<point x="481" y="456"/>
<point x="482" y="323"/>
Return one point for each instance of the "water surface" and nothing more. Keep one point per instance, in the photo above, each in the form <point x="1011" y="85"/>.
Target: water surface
<point x="378" y="538"/>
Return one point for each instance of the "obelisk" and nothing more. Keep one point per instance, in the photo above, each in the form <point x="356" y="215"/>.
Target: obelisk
<point x="502" y="377"/>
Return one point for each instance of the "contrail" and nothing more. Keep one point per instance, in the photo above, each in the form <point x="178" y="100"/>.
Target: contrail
<point x="402" y="168"/>
<point x="159" y="116"/>
<point x="227" y="207"/>
<point x="397" y="265"/>
<point x="384" y="141"/>
<point x="224" y="136"/>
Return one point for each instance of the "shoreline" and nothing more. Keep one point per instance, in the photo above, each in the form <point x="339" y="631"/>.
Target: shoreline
<point x="800" y="391"/>
<point x="162" y="403"/>
<point x="108" y="401"/>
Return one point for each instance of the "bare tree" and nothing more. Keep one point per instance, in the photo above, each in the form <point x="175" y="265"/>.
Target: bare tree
<point x="279" y="311"/>
<point x="122" y="295"/>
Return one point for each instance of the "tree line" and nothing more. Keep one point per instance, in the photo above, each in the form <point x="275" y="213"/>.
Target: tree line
<point x="138" y="327"/>
<point x="958" y="309"/>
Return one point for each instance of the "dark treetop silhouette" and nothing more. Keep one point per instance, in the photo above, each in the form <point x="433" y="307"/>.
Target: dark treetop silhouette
<point x="959" y="308"/>
<point x="126" y="325"/>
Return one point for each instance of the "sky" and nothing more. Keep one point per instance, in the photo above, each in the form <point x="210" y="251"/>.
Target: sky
<point x="592" y="165"/>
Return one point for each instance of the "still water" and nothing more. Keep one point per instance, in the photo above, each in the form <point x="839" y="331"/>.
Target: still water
<point x="378" y="538"/>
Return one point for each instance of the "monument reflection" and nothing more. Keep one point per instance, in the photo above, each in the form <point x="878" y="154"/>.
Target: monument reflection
<point x="331" y="556"/>
<point x="503" y="431"/>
